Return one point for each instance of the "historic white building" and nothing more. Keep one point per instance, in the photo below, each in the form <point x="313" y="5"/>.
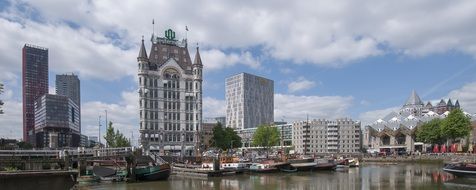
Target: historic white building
<point x="170" y="96"/>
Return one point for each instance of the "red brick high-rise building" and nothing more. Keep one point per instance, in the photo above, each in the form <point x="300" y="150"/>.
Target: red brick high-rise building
<point x="34" y="85"/>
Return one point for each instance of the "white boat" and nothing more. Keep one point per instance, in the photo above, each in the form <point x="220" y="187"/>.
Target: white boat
<point x="354" y="162"/>
<point x="342" y="168"/>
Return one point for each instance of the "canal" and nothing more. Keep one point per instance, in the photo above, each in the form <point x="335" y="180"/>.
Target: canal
<point x="369" y="176"/>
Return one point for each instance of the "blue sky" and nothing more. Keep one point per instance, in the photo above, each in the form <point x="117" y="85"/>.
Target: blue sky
<point x="328" y="59"/>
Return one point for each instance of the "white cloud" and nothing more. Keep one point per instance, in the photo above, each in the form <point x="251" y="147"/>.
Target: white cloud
<point x="286" y="70"/>
<point x="300" y="85"/>
<point x="213" y="107"/>
<point x="371" y="116"/>
<point x="11" y="122"/>
<point x="466" y="96"/>
<point x="293" y="108"/>
<point x="318" y="32"/>
<point x="124" y="115"/>
<point x="83" y="51"/>
<point x="216" y="59"/>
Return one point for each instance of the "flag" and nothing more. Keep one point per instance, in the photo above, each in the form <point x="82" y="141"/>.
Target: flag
<point x="186" y="28"/>
<point x="152" y="21"/>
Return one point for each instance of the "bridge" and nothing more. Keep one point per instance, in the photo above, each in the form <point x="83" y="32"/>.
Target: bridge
<point x="73" y="153"/>
<point x="45" y="159"/>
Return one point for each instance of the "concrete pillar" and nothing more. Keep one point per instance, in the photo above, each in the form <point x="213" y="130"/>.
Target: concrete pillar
<point x="392" y="140"/>
<point x="409" y="143"/>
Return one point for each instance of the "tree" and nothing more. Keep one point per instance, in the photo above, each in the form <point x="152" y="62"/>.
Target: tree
<point x="266" y="137"/>
<point x="456" y="125"/>
<point x="430" y="132"/>
<point x="1" y="102"/>
<point x="225" y="138"/>
<point x="115" y="139"/>
<point x="24" y="145"/>
<point x="232" y="137"/>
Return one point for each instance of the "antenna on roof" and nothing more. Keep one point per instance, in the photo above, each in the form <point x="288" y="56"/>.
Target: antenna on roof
<point x="153" y="27"/>
<point x="186" y="31"/>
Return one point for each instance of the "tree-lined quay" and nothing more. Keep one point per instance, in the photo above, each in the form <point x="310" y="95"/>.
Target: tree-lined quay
<point x="446" y="131"/>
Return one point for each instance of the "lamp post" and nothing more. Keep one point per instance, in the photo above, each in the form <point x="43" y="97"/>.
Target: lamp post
<point x="107" y="144"/>
<point x="99" y="131"/>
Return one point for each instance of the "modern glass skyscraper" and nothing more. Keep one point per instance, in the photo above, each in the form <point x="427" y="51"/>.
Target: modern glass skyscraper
<point x="34" y="85"/>
<point x="69" y="85"/>
<point x="56" y="122"/>
<point x="249" y="101"/>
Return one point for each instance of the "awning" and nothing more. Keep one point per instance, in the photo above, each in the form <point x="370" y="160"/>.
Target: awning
<point x="393" y="147"/>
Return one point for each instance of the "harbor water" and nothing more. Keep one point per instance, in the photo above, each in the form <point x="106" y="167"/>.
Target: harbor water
<point x="368" y="176"/>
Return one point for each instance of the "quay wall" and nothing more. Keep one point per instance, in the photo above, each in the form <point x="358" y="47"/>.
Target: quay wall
<point x="424" y="158"/>
<point x="50" y="180"/>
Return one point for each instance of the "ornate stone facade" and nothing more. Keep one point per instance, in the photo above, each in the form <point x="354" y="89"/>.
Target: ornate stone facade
<point x="170" y="96"/>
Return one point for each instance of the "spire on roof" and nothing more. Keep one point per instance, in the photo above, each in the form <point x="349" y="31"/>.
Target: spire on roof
<point x="198" y="60"/>
<point x="414" y="99"/>
<point x="142" y="52"/>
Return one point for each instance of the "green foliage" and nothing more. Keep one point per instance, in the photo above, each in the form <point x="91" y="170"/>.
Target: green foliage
<point x="266" y="136"/>
<point x="430" y="132"/>
<point x="456" y="125"/>
<point x="115" y="139"/>
<point x="10" y="169"/>
<point x="24" y="145"/>
<point x="225" y="138"/>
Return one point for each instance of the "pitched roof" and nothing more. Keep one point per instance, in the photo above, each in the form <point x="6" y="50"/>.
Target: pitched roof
<point x="142" y="51"/>
<point x="198" y="60"/>
<point x="163" y="50"/>
<point x="414" y="99"/>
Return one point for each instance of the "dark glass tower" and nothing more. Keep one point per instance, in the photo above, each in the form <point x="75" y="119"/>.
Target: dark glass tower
<point x="69" y="85"/>
<point x="34" y="85"/>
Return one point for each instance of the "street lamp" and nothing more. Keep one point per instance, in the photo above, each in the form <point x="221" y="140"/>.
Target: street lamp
<point x="99" y="131"/>
<point x="107" y="144"/>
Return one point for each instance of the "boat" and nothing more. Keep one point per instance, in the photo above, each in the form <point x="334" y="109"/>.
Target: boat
<point x="303" y="164"/>
<point x="263" y="168"/>
<point x="107" y="174"/>
<point x="342" y="168"/>
<point x="461" y="169"/>
<point x="324" y="164"/>
<point x="88" y="179"/>
<point x="153" y="173"/>
<point x="353" y="162"/>
<point x="238" y="167"/>
<point x="289" y="169"/>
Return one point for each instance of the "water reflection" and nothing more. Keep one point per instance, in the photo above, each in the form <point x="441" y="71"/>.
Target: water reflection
<point x="375" y="176"/>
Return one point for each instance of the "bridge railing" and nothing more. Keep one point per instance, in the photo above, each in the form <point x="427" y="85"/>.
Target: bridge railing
<point x="79" y="152"/>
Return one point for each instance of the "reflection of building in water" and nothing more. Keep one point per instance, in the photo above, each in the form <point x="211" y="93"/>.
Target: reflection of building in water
<point x="396" y="177"/>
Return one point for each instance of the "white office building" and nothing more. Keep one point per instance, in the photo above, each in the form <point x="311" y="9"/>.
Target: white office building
<point x="249" y="101"/>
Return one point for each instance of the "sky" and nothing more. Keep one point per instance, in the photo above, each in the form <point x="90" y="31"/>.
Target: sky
<point x="328" y="59"/>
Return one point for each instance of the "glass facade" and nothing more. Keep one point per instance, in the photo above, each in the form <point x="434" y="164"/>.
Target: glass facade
<point x="56" y="122"/>
<point x="249" y="101"/>
<point x="69" y="85"/>
<point x="34" y="85"/>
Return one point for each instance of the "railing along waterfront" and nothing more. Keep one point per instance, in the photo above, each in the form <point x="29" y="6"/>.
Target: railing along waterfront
<point x="79" y="152"/>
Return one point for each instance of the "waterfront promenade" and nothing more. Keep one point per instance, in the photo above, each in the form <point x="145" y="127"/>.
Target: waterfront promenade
<point x="423" y="158"/>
